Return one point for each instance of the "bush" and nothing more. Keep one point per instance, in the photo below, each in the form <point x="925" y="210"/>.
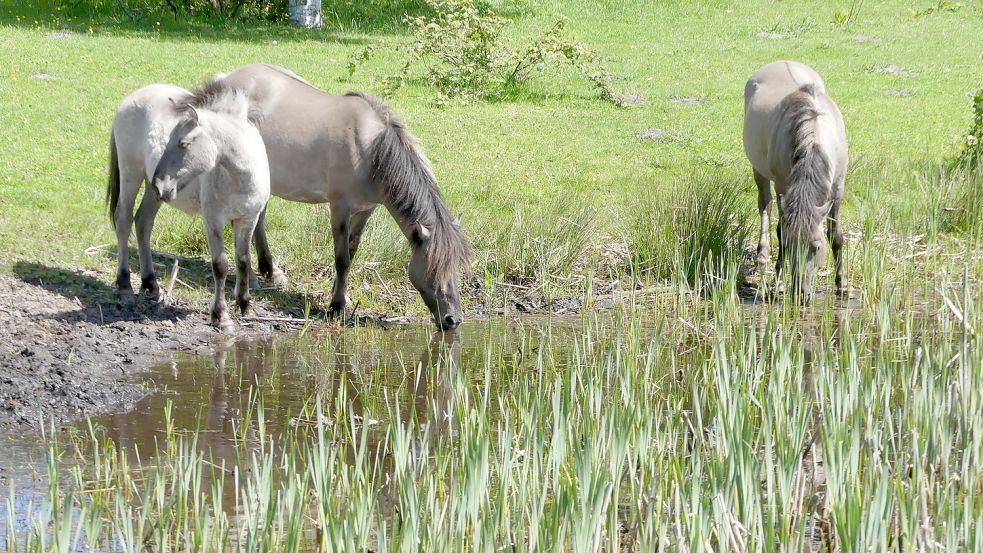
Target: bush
<point x="465" y="55"/>
<point x="972" y="152"/>
<point x="694" y="231"/>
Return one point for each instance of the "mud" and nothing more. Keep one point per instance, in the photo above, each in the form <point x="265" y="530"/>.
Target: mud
<point x="69" y="348"/>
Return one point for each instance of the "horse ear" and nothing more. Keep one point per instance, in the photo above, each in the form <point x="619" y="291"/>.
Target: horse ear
<point x="420" y="233"/>
<point x="457" y="221"/>
<point x="823" y="210"/>
<point x="194" y="115"/>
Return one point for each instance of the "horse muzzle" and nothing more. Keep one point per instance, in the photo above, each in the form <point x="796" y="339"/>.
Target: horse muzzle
<point x="449" y="322"/>
<point x="166" y="189"/>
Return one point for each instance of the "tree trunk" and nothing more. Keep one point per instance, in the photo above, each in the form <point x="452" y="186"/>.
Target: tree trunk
<point x="305" y="13"/>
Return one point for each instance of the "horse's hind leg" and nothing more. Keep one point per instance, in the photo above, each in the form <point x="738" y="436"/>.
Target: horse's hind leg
<point x="220" y="271"/>
<point x="764" y="210"/>
<point x="243" y="230"/>
<point x="146" y="215"/>
<point x="341" y="231"/>
<point x="834" y="233"/>
<point x="267" y="267"/>
<point x="123" y="218"/>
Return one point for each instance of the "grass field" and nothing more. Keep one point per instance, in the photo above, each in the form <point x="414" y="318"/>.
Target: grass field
<point x="694" y="423"/>
<point x="550" y="175"/>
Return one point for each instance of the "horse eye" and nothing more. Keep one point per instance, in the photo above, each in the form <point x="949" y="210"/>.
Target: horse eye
<point x="183" y="144"/>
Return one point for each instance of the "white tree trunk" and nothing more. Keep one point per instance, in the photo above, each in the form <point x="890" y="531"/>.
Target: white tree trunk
<point x="305" y="13"/>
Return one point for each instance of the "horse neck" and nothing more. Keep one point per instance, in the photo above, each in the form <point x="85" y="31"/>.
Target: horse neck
<point x="241" y="153"/>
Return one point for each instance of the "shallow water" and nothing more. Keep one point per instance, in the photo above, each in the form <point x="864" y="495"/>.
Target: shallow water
<point x="358" y="370"/>
<point x="287" y="374"/>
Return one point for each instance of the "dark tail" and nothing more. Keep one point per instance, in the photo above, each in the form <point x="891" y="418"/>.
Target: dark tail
<point x="411" y="189"/>
<point x="112" y="187"/>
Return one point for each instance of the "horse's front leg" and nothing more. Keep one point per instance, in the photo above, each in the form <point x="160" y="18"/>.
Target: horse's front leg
<point x="220" y="270"/>
<point x="779" y="285"/>
<point x="146" y="215"/>
<point x="359" y="219"/>
<point x="834" y="233"/>
<point x="764" y="211"/>
<point x="341" y="231"/>
<point x="243" y="230"/>
<point x="267" y="267"/>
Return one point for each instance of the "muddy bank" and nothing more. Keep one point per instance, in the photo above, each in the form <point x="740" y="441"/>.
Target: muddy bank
<point x="69" y="348"/>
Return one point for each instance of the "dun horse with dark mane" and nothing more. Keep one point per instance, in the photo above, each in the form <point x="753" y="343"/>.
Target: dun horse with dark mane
<point x="794" y="136"/>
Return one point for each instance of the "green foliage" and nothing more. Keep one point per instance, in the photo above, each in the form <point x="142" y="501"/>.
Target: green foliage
<point x="465" y="54"/>
<point x="942" y="6"/>
<point x="135" y="10"/>
<point x="696" y="238"/>
<point x="973" y="148"/>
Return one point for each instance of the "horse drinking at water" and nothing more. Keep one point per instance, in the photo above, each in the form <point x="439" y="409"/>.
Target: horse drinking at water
<point x="201" y="153"/>
<point x="354" y="153"/>
<point x="794" y="136"/>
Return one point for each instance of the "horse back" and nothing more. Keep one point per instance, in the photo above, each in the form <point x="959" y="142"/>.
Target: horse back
<point x="316" y="142"/>
<point x="143" y="124"/>
<point x="767" y="139"/>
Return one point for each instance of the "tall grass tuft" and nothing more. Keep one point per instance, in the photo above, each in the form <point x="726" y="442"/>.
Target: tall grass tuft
<point x="695" y="230"/>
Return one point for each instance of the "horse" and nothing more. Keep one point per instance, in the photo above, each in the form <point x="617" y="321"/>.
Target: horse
<point x="354" y="153"/>
<point x="201" y="153"/>
<point x="794" y="136"/>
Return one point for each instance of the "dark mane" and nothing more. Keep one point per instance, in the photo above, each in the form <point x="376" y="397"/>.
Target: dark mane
<point x="216" y="95"/>
<point x="411" y="190"/>
<point x="809" y="183"/>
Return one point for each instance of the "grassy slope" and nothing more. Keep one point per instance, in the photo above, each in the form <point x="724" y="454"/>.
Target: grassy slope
<point x="556" y="140"/>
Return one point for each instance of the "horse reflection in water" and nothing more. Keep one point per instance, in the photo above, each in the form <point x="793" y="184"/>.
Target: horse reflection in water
<point x="223" y="405"/>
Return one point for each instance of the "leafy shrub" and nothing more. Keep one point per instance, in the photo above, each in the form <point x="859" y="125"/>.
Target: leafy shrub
<point x="972" y="152"/>
<point x="695" y="231"/>
<point x="465" y="55"/>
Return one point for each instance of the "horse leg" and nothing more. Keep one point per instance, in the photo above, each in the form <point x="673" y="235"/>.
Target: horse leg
<point x="129" y="184"/>
<point x="220" y="270"/>
<point x="267" y="267"/>
<point x="764" y="210"/>
<point x="146" y="214"/>
<point x="357" y="227"/>
<point x="779" y="286"/>
<point x="834" y="233"/>
<point x="243" y="230"/>
<point x="341" y="229"/>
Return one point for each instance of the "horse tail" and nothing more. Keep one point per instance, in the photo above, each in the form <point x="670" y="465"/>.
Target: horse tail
<point x="112" y="187"/>
<point x="810" y="179"/>
<point x="405" y="173"/>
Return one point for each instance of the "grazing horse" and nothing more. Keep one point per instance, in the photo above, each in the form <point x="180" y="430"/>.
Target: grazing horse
<point x="206" y="156"/>
<point x="794" y="136"/>
<point x="354" y="153"/>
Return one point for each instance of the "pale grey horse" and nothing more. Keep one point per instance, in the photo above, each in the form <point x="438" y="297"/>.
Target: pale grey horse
<point x="354" y="153"/>
<point x="201" y="153"/>
<point x="794" y="136"/>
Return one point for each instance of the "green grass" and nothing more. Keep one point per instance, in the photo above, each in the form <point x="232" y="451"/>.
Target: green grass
<point x="500" y="164"/>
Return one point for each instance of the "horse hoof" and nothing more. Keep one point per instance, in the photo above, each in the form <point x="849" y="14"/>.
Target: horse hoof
<point x="224" y="324"/>
<point x="126" y="296"/>
<point x="278" y="279"/>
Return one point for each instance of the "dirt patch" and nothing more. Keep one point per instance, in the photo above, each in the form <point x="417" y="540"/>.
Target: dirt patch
<point x="687" y="100"/>
<point x="69" y="348"/>
<point x="630" y="99"/>
<point x="660" y="136"/>
<point x="898" y="93"/>
<point x="770" y="35"/>
<point x="891" y="70"/>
